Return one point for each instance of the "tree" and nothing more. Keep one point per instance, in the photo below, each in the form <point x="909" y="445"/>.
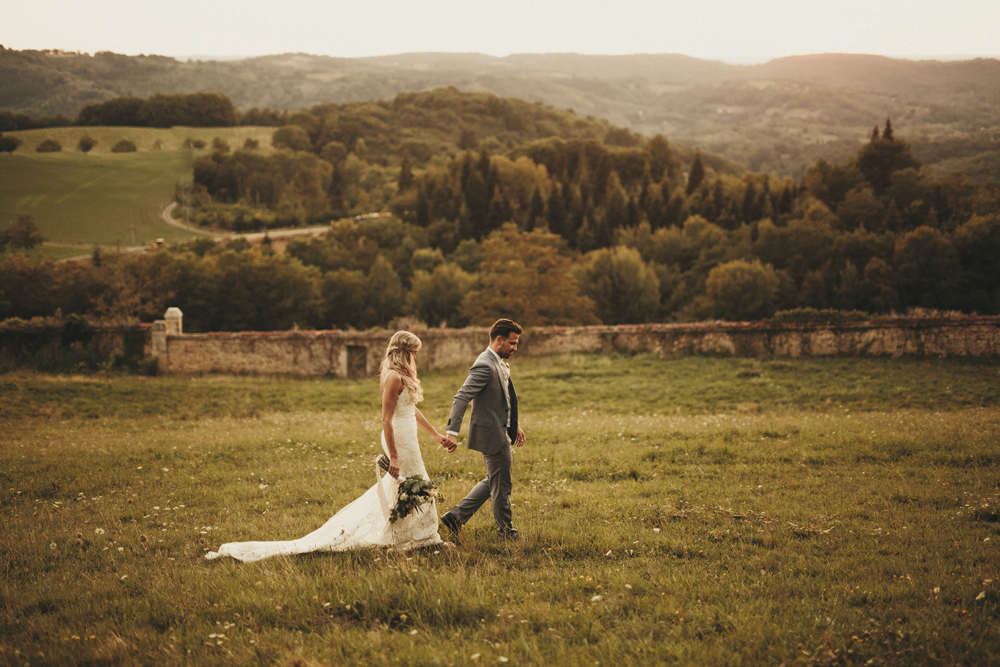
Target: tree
<point x="436" y="296"/>
<point x="467" y="140"/>
<point x="343" y="295"/>
<point x="696" y="175"/>
<point x="118" y="111"/>
<point x="49" y="146"/>
<point x="881" y="157"/>
<point x="293" y="137"/>
<point x="9" y="144"/>
<point x="623" y="287"/>
<point x="849" y="293"/>
<point x="86" y="143"/>
<point x="384" y="294"/>
<point x="263" y="292"/>
<point x="661" y="159"/>
<point x="877" y="287"/>
<point x="860" y="208"/>
<point x="928" y="269"/>
<point x="741" y="290"/>
<point x="528" y="277"/>
<point x="25" y="290"/>
<point x="978" y="244"/>
<point x="22" y="234"/>
<point x="887" y="133"/>
<point x="405" y="180"/>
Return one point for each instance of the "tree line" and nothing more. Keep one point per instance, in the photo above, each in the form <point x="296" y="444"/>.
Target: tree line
<point x="499" y="205"/>
<point x="374" y="271"/>
<point x="194" y="110"/>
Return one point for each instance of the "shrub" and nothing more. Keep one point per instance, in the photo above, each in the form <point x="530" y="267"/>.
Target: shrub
<point x="194" y="143"/>
<point x="49" y="146"/>
<point x="9" y="144"/>
<point x="251" y="144"/>
<point x="819" y="315"/>
<point x="219" y="145"/>
<point x="86" y="143"/>
<point x="124" y="146"/>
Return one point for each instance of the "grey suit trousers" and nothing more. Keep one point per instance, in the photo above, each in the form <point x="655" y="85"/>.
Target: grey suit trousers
<point x="496" y="486"/>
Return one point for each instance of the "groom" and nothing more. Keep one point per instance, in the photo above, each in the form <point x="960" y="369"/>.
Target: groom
<point x="492" y="428"/>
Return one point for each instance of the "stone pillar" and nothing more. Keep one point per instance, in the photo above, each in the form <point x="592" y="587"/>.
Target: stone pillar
<point x="158" y="338"/>
<point x="174" y="320"/>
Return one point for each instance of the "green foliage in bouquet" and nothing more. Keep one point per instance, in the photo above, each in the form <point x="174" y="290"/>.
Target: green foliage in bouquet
<point x="413" y="492"/>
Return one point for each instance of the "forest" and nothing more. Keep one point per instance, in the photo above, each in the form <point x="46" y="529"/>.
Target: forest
<point x="449" y="207"/>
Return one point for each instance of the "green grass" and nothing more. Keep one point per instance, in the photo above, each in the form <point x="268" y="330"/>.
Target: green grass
<point x="53" y="251"/>
<point x="94" y="199"/>
<point x="688" y="510"/>
<point x="102" y="197"/>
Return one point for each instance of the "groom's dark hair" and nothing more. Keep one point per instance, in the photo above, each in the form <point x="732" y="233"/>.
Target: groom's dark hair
<point x="503" y="328"/>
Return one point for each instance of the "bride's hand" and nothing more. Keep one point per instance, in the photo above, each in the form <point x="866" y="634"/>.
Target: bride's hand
<point x="447" y="442"/>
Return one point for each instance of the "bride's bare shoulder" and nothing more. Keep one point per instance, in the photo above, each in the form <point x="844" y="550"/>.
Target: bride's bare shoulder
<point x="391" y="380"/>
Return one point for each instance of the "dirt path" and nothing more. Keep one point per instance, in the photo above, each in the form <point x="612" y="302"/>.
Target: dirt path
<point x="252" y="237"/>
<point x="167" y="215"/>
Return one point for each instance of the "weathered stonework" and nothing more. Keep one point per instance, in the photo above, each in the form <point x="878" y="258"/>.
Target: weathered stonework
<point x="358" y="354"/>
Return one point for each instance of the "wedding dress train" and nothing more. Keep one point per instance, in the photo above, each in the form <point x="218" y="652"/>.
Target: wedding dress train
<point x="364" y="522"/>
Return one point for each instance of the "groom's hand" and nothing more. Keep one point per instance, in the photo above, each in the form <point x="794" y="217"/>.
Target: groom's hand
<point x="449" y="442"/>
<point x="519" y="440"/>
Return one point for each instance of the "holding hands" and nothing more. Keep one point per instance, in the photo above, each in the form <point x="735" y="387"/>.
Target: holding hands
<point x="448" y="442"/>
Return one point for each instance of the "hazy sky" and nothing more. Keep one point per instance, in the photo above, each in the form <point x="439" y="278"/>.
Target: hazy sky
<point x="734" y="30"/>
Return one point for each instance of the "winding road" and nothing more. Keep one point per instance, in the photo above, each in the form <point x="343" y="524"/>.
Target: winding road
<point x="167" y="215"/>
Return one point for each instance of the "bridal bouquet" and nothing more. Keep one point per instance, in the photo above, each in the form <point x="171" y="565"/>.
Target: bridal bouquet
<point x="413" y="493"/>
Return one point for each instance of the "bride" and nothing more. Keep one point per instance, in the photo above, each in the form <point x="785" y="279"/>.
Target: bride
<point x="365" y="521"/>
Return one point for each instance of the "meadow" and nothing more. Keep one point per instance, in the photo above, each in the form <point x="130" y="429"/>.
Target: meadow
<point x="673" y="510"/>
<point x="79" y="200"/>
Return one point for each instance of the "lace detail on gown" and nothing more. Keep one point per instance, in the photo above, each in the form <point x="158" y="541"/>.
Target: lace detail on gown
<point x="364" y="522"/>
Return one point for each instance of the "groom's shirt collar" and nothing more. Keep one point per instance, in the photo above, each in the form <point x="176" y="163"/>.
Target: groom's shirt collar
<point x="504" y="366"/>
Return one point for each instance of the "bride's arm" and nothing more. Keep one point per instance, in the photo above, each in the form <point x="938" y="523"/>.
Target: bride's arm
<point x="392" y="385"/>
<point x="427" y="426"/>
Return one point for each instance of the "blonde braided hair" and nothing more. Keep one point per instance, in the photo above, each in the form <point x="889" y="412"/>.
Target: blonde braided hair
<point x="399" y="357"/>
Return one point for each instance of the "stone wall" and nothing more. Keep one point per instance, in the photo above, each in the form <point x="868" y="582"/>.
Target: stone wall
<point x="358" y="354"/>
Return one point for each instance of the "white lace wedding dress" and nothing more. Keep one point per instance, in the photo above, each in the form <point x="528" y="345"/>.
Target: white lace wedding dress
<point x="364" y="522"/>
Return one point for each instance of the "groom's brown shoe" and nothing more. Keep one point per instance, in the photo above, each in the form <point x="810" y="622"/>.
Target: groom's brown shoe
<point x="451" y="523"/>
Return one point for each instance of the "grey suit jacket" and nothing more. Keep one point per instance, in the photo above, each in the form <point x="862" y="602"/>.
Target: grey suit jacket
<point x="488" y="432"/>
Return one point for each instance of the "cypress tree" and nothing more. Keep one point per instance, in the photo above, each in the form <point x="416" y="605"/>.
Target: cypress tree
<point x="696" y="175"/>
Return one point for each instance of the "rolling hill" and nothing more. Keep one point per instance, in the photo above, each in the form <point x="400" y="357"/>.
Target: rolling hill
<point x="778" y="116"/>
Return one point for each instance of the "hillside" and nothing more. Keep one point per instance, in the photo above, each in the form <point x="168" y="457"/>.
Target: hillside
<point x="779" y="116"/>
<point x="79" y="200"/>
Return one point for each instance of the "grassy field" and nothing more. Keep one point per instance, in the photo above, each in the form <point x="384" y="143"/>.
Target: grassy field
<point x="686" y="510"/>
<point x="146" y="139"/>
<point x="101" y="197"/>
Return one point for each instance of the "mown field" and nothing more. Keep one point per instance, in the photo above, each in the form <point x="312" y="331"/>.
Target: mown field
<point x="104" y="198"/>
<point x="680" y="510"/>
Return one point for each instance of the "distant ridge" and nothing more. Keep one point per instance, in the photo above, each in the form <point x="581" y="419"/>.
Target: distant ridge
<point x="777" y="116"/>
